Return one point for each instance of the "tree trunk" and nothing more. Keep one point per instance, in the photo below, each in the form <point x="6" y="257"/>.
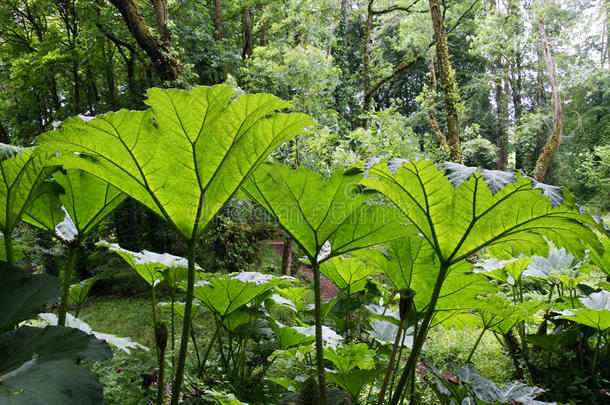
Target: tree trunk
<point x="4" y="134"/>
<point x="110" y="78"/>
<point x="167" y="67"/>
<point x="162" y="18"/>
<point x="449" y="87"/>
<point x="516" y="85"/>
<point x="218" y="20"/>
<point x="430" y="96"/>
<point x="605" y="36"/>
<point x="552" y="145"/>
<point x="247" y="37"/>
<point x="76" y="96"/>
<point x="366" y="60"/>
<point x="502" y="110"/>
<point x="287" y="256"/>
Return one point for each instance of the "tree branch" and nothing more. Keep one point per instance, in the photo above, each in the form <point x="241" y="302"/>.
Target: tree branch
<point x="462" y="16"/>
<point x="395" y="7"/>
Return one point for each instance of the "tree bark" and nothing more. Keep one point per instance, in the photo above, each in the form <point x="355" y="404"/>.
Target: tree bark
<point x="516" y="86"/>
<point x="430" y="96"/>
<point x="4" y="134"/>
<point x="366" y="60"/>
<point x="218" y="20"/>
<point x="552" y="145"/>
<point x="502" y="110"/>
<point x="247" y="36"/>
<point x="162" y="19"/>
<point x="287" y="256"/>
<point x="449" y="87"/>
<point x="167" y="67"/>
<point x="110" y="78"/>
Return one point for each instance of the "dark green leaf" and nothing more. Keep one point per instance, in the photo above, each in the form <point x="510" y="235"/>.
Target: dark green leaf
<point x="23" y="296"/>
<point x="40" y="367"/>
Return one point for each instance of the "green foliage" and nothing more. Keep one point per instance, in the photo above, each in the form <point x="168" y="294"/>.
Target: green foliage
<point x="304" y="75"/>
<point x="480" y="152"/>
<point x="449" y="344"/>
<point x="593" y="168"/>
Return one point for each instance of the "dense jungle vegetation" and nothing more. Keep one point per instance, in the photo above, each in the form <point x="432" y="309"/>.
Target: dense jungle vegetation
<point x="304" y="202"/>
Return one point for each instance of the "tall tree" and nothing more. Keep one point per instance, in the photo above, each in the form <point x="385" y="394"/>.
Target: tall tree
<point x="449" y="88"/>
<point x="247" y="33"/>
<point x="552" y="144"/>
<point x="218" y="20"/>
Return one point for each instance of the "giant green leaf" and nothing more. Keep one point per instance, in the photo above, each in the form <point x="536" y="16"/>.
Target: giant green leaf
<point x="469" y="209"/>
<point x="40" y="367"/>
<point x="596" y="312"/>
<point x="225" y="293"/>
<point x="23" y="296"/>
<point x="45" y="211"/>
<point x="288" y="336"/>
<point x="351" y="356"/>
<point x="354" y="381"/>
<point x="87" y="199"/>
<point x="149" y="265"/>
<point x="508" y="271"/>
<point x="598" y="320"/>
<point x="81" y="202"/>
<point x="461" y="210"/>
<point x="79" y="291"/>
<point x="327" y="218"/>
<point x="355" y="367"/>
<point x="557" y="261"/>
<point x="411" y="263"/>
<point x="186" y="155"/>
<point x="349" y="274"/>
<point x="22" y="176"/>
<point x="482" y="390"/>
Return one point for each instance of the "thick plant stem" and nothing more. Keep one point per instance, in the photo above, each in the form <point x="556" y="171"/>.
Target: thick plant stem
<point x="161" y="344"/>
<point x="599" y="338"/>
<point x="184" y="339"/>
<point x="319" y="346"/>
<point x="196" y="351"/>
<point x="68" y="270"/>
<point x="207" y="351"/>
<point x="418" y="343"/>
<point x="476" y="344"/>
<point x="8" y="247"/>
<point x="388" y="372"/>
<point x="347" y="316"/>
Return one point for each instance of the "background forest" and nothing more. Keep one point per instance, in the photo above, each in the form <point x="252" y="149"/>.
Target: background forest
<point x="366" y="71"/>
<point x="507" y="85"/>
